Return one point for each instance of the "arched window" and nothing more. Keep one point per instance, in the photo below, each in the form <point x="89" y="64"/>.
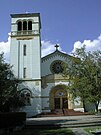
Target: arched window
<point x="19" y="26"/>
<point x="29" y="25"/>
<point x="26" y="97"/>
<point x="24" y="25"/>
<point x="24" y="50"/>
<point x="24" y="72"/>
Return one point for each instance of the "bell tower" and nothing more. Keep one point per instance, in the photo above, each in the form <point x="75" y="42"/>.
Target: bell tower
<point x="25" y="54"/>
<point x="25" y="49"/>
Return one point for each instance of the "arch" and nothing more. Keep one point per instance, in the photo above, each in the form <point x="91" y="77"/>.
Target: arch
<point x="58" y="97"/>
<point x="26" y="95"/>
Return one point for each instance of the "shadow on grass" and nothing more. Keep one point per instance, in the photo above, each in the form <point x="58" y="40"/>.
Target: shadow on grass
<point x="57" y="132"/>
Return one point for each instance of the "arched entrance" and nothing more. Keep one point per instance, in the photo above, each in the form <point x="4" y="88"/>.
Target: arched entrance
<point x="58" y="97"/>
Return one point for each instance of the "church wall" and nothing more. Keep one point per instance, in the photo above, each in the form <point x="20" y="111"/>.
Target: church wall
<point x="35" y="88"/>
<point x="46" y="95"/>
<point x="34" y="109"/>
<point x="30" y="60"/>
<point x="36" y="59"/>
<point x="46" y="64"/>
<point x="14" y="53"/>
<point x="50" y="80"/>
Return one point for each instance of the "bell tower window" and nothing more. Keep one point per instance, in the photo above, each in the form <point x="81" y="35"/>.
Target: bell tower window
<point x="24" y="25"/>
<point x="19" y="26"/>
<point x="30" y="25"/>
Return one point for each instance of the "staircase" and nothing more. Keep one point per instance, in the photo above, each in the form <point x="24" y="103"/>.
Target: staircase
<point x="68" y="112"/>
<point x="62" y="112"/>
<point x="71" y="112"/>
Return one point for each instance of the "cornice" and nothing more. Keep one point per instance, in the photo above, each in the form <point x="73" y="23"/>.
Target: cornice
<point x="25" y="15"/>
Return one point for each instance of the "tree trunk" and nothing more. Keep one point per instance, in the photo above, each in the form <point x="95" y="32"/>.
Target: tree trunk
<point x="96" y="106"/>
<point x="84" y="107"/>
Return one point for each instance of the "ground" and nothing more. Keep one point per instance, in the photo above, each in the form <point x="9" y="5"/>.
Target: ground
<point x="64" y="125"/>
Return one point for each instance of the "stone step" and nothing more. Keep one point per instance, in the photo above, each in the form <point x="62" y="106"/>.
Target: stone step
<point x="81" y="125"/>
<point x="64" y="121"/>
<point x="53" y="126"/>
<point x="62" y="124"/>
<point x="64" y="112"/>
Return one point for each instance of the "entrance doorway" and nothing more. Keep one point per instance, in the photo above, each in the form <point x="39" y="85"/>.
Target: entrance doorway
<point x="57" y="103"/>
<point x="60" y="103"/>
<point x="59" y="97"/>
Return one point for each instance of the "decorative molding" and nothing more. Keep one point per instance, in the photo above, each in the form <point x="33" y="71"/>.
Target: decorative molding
<point x="27" y="19"/>
<point x="21" y="79"/>
<point x="52" y="78"/>
<point x="56" y="53"/>
<point x="40" y="96"/>
<point x="25" y="15"/>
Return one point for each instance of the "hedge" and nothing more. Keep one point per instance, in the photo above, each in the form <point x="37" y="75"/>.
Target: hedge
<point x="12" y="119"/>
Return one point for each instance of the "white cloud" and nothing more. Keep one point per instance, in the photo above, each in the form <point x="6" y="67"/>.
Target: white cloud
<point x="5" y="48"/>
<point x="93" y="45"/>
<point x="48" y="47"/>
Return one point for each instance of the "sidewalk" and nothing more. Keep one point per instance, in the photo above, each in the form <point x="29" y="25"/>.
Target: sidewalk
<point x="79" y="131"/>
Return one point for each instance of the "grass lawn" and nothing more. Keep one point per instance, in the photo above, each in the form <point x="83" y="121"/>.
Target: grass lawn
<point x="61" y="131"/>
<point x="92" y="129"/>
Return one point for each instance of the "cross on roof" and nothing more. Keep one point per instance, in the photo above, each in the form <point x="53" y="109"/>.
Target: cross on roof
<point x="56" y="46"/>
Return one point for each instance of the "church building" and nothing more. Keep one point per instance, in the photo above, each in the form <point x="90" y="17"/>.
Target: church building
<point x="43" y="87"/>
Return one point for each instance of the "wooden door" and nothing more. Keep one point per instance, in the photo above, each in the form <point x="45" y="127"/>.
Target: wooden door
<point x="57" y="103"/>
<point x="64" y="103"/>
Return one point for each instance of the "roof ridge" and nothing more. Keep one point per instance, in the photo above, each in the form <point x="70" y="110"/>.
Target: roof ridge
<point x="53" y="53"/>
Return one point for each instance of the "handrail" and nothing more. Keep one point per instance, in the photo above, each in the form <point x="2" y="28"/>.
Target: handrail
<point x="24" y="32"/>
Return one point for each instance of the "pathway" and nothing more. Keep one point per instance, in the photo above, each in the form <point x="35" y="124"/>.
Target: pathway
<point x="79" y="131"/>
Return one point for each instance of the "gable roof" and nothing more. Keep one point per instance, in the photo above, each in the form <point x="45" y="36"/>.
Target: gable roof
<point x="55" y="53"/>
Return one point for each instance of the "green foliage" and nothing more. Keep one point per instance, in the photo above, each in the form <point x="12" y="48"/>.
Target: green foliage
<point x="57" y="132"/>
<point x="12" y="119"/>
<point x="60" y="131"/>
<point x="96" y="128"/>
<point x="9" y="96"/>
<point x="85" y="75"/>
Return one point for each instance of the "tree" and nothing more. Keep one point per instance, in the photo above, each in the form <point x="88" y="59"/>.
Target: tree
<point x="85" y="76"/>
<point x="95" y="78"/>
<point x="9" y="96"/>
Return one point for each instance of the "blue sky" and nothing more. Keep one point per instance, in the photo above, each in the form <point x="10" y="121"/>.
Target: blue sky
<point x="70" y="23"/>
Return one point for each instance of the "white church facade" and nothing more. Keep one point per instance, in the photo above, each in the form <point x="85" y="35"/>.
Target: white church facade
<point x="43" y="86"/>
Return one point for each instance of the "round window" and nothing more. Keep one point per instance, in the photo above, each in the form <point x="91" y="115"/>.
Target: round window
<point x="57" y="67"/>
